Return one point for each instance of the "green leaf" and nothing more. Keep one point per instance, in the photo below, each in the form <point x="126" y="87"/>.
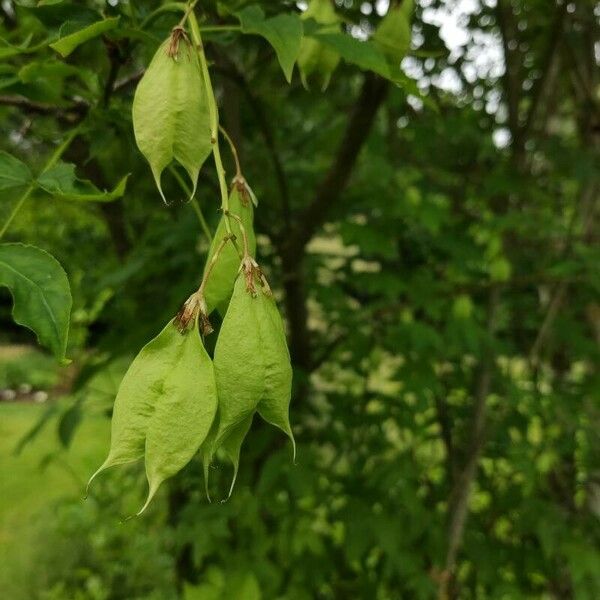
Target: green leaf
<point x="170" y="113"/>
<point x="7" y="49"/>
<point x="53" y="72"/>
<point x="165" y="406"/>
<point x="363" y="54"/>
<point x="42" y="297"/>
<point x="64" y="16"/>
<point x="392" y="36"/>
<point x="219" y="286"/>
<point x="316" y="61"/>
<point x="67" y="43"/>
<point x="13" y="172"/>
<point x="61" y="181"/>
<point x="283" y="32"/>
<point x="252" y="364"/>
<point x="68" y="423"/>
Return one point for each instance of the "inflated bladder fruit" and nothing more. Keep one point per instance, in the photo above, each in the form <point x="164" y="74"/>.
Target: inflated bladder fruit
<point x="252" y="363"/>
<point x="316" y="61"/>
<point x="219" y="286"/>
<point x="230" y="446"/>
<point x="165" y="406"/>
<point x="171" y="119"/>
<point x="174" y="401"/>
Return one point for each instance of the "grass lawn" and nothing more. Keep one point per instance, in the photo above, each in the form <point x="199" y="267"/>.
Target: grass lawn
<point x="26" y="488"/>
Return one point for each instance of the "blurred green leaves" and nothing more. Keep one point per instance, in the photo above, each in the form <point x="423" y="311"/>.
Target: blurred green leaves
<point x="41" y="293"/>
<point x="61" y="182"/>
<point x="283" y="32"/>
<point x="13" y="172"/>
<point x="71" y="36"/>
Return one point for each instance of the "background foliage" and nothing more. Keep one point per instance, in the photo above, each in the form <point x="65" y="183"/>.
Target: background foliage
<point x="434" y="246"/>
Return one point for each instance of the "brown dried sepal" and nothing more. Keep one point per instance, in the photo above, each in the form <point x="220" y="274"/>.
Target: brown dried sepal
<point x="205" y="326"/>
<point x="244" y="190"/>
<point x="177" y="34"/>
<point x="193" y="308"/>
<point x="253" y="272"/>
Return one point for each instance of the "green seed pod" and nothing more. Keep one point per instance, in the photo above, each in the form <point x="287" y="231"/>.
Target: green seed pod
<point x="170" y="110"/>
<point x="231" y="445"/>
<point x="165" y="406"/>
<point x="316" y="61"/>
<point x="219" y="286"/>
<point x="252" y="363"/>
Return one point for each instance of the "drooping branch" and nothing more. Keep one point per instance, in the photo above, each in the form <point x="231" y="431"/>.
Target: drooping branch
<point x="70" y="115"/>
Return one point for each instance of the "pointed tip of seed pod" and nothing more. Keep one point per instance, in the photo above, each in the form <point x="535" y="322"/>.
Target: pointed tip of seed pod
<point x="288" y="431"/>
<point x="157" y="175"/>
<point x="151" y="491"/>
<point x="235" y="473"/>
<point x="293" y="449"/>
<point x="193" y="175"/>
<point x="208" y="498"/>
<point x="162" y="195"/>
<point x="101" y="468"/>
<point x="205" y="466"/>
<point x="193" y="193"/>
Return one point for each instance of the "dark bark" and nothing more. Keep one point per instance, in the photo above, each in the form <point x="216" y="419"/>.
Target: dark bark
<point x="461" y="491"/>
<point x="372" y="95"/>
<point x="328" y="194"/>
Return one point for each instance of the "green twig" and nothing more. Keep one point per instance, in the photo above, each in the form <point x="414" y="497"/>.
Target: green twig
<point x="165" y="8"/>
<point x="54" y="158"/>
<point x="219" y="28"/>
<point x="214" y="117"/>
<point x="193" y="201"/>
<point x="234" y="152"/>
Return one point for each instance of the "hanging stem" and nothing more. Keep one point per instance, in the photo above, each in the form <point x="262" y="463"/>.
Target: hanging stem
<point x="213" y="114"/>
<point x="175" y="7"/>
<point x="193" y="201"/>
<point x="165" y="8"/>
<point x="243" y="232"/>
<point x="186" y="14"/>
<point x="195" y="306"/>
<point x="54" y="158"/>
<point x="236" y="158"/>
<point x="212" y="263"/>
